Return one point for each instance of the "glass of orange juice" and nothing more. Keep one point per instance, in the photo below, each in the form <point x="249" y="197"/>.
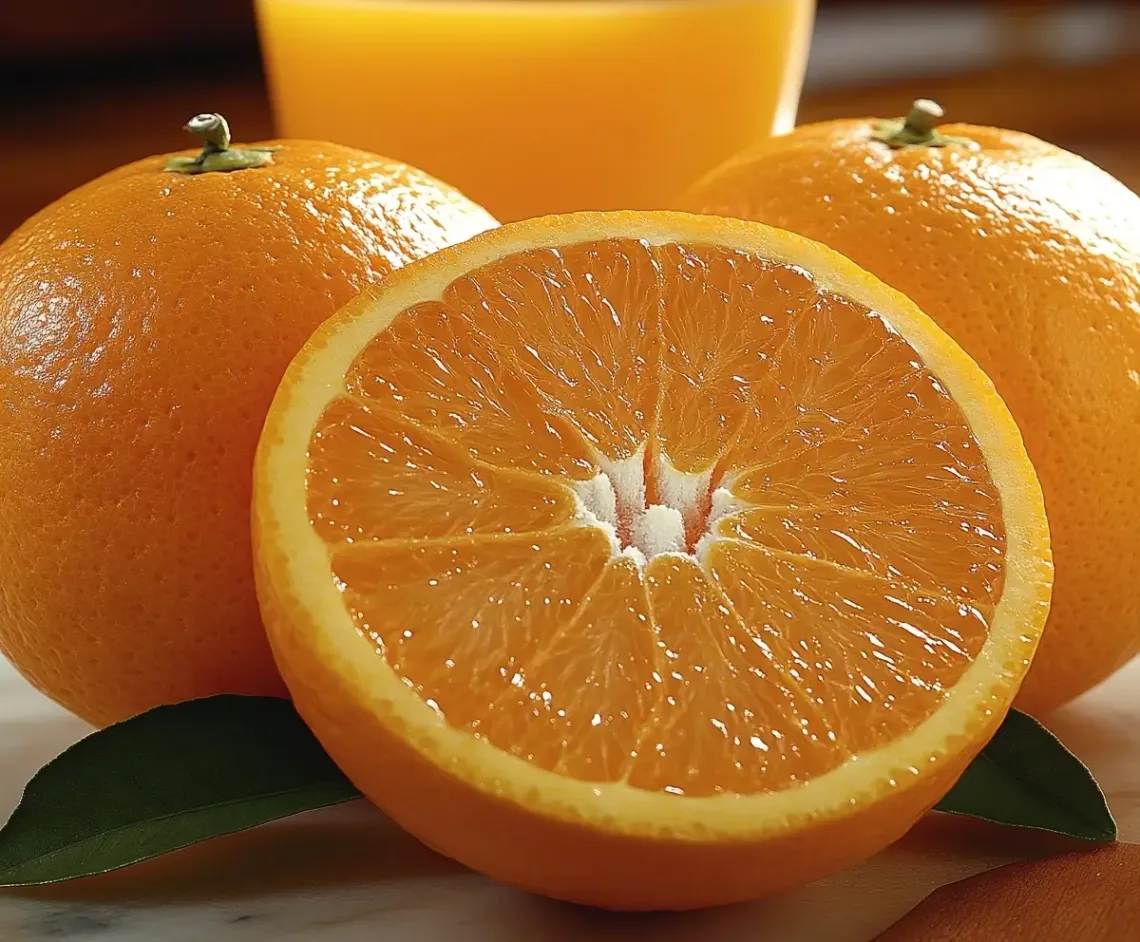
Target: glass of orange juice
<point x="540" y="106"/>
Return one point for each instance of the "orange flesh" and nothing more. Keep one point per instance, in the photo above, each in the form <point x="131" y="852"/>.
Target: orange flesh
<point x="843" y="546"/>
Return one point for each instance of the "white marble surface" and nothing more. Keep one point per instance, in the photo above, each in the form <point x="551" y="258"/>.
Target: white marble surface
<point x="348" y="875"/>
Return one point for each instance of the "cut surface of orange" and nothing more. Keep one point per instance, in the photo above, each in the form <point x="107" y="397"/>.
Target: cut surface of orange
<point x="647" y="560"/>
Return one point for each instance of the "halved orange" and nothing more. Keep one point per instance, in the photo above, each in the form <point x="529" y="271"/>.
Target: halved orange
<point x="647" y="560"/>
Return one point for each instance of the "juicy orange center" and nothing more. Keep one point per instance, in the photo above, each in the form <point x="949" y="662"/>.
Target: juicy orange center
<point x="666" y="515"/>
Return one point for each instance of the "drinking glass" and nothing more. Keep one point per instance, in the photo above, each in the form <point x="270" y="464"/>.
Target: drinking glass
<point x="540" y="106"/>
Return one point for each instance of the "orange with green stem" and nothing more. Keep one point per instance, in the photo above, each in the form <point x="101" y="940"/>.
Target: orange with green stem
<point x="1029" y="257"/>
<point x="145" y="319"/>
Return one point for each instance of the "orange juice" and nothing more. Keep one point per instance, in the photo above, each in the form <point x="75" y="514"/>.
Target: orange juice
<point x="540" y="106"/>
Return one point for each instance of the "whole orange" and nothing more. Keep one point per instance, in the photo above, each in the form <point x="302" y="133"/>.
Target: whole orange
<point x="1029" y="257"/>
<point x="145" y="320"/>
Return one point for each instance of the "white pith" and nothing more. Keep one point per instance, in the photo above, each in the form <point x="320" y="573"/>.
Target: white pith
<point x="615" y="500"/>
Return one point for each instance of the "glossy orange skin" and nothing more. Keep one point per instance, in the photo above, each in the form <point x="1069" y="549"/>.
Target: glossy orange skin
<point x="1029" y="257"/>
<point x="145" y="320"/>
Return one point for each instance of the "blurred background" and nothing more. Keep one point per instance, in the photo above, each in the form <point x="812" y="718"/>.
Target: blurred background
<point x="87" y="86"/>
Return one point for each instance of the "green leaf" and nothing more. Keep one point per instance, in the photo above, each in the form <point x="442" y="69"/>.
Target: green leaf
<point x="1027" y="778"/>
<point x="171" y="777"/>
<point x="186" y="773"/>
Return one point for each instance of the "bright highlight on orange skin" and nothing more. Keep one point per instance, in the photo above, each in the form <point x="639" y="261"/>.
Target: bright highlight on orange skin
<point x="837" y="546"/>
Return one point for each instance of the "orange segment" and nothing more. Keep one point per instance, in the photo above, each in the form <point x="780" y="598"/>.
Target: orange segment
<point x="375" y="477"/>
<point x="839" y="377"/>
<point x="582" y="324"/>
<point x="729" y="716"/>
<point x="940" y="545"/>
<point x="713" y="356"/>
<point x="625" y="530"/>
<point x="868" y="658"/>
<point x="460" y="622"/>
<point x="435" y="366"/>
<point x="584" y="694"/>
